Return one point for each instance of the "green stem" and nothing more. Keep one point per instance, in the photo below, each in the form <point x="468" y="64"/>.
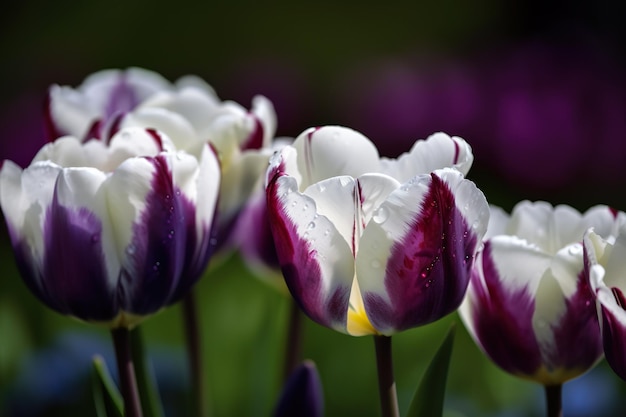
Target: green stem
<point x="146" y="382"/>
<point x="293" y="348"/>
<point x="126" y="370"/>
<point x="194" y="351"/>
<point x="553" y="400"/>
<point x="386" y="382"/>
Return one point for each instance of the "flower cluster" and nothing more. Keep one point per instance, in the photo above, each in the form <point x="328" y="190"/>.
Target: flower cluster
<point x="143" y="181"/>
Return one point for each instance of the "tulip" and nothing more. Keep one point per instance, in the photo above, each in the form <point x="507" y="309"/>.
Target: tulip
<point x="605" y="266"/>
<point x="371" y="246"/>
<point x="528" y="301"/>
<point x="111" y="233"/>
<point x="368" y="246"/>
<point x="302" y="393"/>
<point x="94" y="109"/>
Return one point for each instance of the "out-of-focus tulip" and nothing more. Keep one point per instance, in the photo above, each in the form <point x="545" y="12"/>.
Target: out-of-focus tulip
<point x="370" y="245"/>
<point x="302" y="393"/>
<point x="528" y="305"/>
<point x="605" y="262"/>
<point x="111" y="232"/>
<point x="94" y="109"/>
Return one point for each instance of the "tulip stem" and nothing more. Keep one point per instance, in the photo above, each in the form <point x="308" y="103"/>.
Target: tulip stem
<point x="293" y="348"/>
<point x="553" y="400"/>
<point x="194" y="353"/>
<point x="126" y="371"/>
<point x="386" y="382"/>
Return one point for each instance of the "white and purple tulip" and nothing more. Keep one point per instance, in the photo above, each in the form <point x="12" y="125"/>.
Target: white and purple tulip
<point x="113" y="232"/>
<point x="188" y="111"/>
<point x="528" y="305"/>
<point x="95" y="108"/>
<point x="605" y="264"/>
<point x="371" y="246"/>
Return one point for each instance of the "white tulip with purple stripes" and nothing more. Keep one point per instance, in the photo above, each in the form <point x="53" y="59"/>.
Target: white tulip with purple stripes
<point x="188" y="111"/>
<point x="370" y="245"/>
<point x="528" y="305"/>
<point x="605" y="261"/>
<point x="111" y="232"/>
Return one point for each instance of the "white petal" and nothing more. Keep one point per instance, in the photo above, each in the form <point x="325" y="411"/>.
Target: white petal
<point x="332" y="151"/>
<point x="437" y="151"/>
<point x="519" y="263"/>
<point x="264" y="110"/>
<point x="174" y="125"/>
<point x="498" y="221"/>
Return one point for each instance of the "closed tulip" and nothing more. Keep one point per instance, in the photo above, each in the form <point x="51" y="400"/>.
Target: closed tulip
<point x="111" y="232"/>
<point x="605" y="261"/>
<point x="370" y="245"/>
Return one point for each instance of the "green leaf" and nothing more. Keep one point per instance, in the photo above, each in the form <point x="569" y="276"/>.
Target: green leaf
<point x="107" y="399"/>
<point x="146" y="382"/>
<point x="429" y="396"/>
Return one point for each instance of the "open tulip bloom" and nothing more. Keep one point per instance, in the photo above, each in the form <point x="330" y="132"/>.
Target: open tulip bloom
<point x="371" y="246"/>
<point x="528" y="304"/>
<point x="605" y="261"/>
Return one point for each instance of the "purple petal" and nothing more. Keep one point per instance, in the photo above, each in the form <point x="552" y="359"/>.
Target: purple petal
<point x="502" y="318"/>
<point x="122" y="98"/>
<point x="157" y="248"/>
<point x="255" y="139"/>
<point x="302" y="394"/>
<point x="428" y="270"/>
<point x="73" y="278"/>
<point x="614" y="336"/>
<point x="324" y="302"/>
<point x="577" y="333"/>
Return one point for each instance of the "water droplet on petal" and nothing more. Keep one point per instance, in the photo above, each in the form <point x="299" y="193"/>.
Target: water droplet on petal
<point x="311" y="226"/>
<point x="381" y="215"/>
<point x="326" y="232"/>
<point x="575" y="250"/>
<point x="321" y="187"/>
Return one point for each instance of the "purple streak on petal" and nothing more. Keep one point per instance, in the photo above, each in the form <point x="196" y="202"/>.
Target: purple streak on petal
<point x="197" y="252"/>
<point x="502" y="319"/>
<point x="157" y="248"/>
<point x="614" y="340"/>
<point x="577" y="334"/>
<point x="122" y="99"/>
<point x="301" y="269"/>
<point x="94" y="131"/>
<point x="428" y="271"/>
<point x="456" y="152"/>
<point x="72" y="278"/>
<point x="112" y="126"/>
<point x="255" y="140"/>
<point x="157" y="138"/>
<point x="614" y="212"/>
<point x="51" y="129"/>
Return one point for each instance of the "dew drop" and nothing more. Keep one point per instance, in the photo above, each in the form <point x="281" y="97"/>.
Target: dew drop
<point x="321" y="187"/>
<point x="575" y="250"/>
<point x="381" y="215"/>
<point x="326" y="232"/>
<point x="131" y="249"/>
<point x="305" y="207"/>
<point x="156" y="266"/>
<point x="293" y="204"/>
<point x="311" y="226"/>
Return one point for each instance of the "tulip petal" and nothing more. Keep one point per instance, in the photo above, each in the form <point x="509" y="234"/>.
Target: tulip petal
<point x="79" y="278"/>
<point x="148" y="215"/>
<point x="333" y="151"/>
<point x="500" y="303"/>
<point x="436" y="152"/>
<point x="316" y="261"/>
<point x="175" y="126"/>
<point x="199" y="186"/>
<point x="421" y="240"/>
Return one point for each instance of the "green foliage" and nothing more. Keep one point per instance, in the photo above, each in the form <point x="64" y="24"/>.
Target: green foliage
<point x="430" y="394"/>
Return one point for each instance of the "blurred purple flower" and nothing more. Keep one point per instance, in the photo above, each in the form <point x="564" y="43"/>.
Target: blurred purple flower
<point x="302" y="394"/>
<point x="535" y="114"/>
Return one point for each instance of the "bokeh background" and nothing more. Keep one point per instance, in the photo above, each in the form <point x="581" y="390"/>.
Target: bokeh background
<point x="537" y="88"/>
